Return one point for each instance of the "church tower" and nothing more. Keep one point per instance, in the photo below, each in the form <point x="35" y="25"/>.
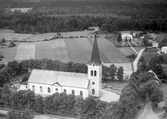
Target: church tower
<point x="95" y="71"/>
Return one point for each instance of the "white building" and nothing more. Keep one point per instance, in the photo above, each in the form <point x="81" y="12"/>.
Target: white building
<point x="127" y="36"/>
<point x="164" y="49"/>
<point x="47" y="82"/>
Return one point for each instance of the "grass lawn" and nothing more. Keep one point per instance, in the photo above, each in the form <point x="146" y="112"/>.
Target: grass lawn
<point x="115" y="87"/>
<point x="138" y="49"/>
<point x="126" y="50"/>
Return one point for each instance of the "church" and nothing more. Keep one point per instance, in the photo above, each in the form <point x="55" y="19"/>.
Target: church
<point x="48" y="82"/>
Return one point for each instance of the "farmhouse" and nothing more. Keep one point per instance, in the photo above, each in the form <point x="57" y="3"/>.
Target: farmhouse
<point x="22" y="10"/>
<point x="164" y="49"/>
<point x="126" y="36"/>
<point x="46" y="82"/>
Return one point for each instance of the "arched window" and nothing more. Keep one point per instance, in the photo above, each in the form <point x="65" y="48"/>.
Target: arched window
<point x="81" y="93"/>
<point x="95" y="73"/>
<point x="33" y="88"/>
<point x="93" y="91"/>
<point x="91" y="72"/>
<point x="93" y="83"/>
<point x="73" y="92"/>
<point x="56" y="89"/>
<point x="41" y="89"/>
<point x="48" y="90"/>
<point x="65" y="91"/>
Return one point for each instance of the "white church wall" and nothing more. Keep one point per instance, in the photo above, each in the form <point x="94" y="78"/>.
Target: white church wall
<point x="95" y="81"/>
<point x="44" y="90"/>
<point x="56" y="88"/>
<point x="77" y="91"/>
<point x="22" y="87"/>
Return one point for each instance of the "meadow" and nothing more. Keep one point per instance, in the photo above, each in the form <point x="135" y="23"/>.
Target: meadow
<point x="67" y="49"/>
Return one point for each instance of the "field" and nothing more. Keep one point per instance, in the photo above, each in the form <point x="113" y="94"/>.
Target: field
<point x="25" y="51"/>
<point x="69" y="49"/>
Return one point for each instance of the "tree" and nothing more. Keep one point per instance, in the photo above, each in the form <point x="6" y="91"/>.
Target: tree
<point x="27" y="28"/>
<point x="23" y="66"/>
<point x="79" y="106"/>
<point x="3" y="40"/>
<point x="5" y="96"/>
<point x="106" y="27"/>
<point x="39" y="105"/>
<point x="105" y="72"/>
<point x="119" y="38"/>
<point x="113" y="28"/>
<point x="20" y="28"/>
<point x="14" y="65"/>
<point x="152" y="88"/>
<point x="2" y="66"/>
<point x="58" y="34"/>
<point x="20" y="115"/>
<point x="11" y="44"/>
<point x="89" y="108"/>
<point x="14" y="115"/>
<point x="120" y="73"/>
<point x="112" y="71"/>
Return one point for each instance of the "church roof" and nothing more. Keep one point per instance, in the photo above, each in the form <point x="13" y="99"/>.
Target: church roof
<point x="95" y="57"/>
<point x="68" y="79"/>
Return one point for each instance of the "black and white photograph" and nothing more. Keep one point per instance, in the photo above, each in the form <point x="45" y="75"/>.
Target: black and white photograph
<point x="83" y="59"/>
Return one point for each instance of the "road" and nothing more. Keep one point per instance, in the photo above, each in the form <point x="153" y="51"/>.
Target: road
<point x="135" y="63"/>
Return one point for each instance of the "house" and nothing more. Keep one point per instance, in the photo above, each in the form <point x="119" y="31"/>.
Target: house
<point x="93" y="28"/>
<point x="164" y="49"/>
<point x="161" y="41"/>
<point x="126" y="36"/>
<point x="47" y="82"/>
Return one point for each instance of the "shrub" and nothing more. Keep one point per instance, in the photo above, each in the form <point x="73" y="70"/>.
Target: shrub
<point x="11" y="44"/>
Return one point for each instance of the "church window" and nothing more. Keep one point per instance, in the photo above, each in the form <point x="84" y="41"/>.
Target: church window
<point x="41" y="89"/>
<point x="33" y="88"/>
<point x="48" y="90"/>
<point x="81" y="93"/>
<point x="95" y="73"/>
<point x="93" y="91"/>
<point x="93" y="83"/>
<point x="73" y="92"/>
<point x="94" y="64"/>
<point x="65" y="91"/>
<point x="56" y="89"/>
<point x="91" y="72"/>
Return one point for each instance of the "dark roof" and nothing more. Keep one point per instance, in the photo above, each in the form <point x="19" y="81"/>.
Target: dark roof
<point x="147" y="37"/>
<point x="95" y="58"/>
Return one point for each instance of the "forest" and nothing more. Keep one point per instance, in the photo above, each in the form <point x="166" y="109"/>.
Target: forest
<point x="61" y="16"/>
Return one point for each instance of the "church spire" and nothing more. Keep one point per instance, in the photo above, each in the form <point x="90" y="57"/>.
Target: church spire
<point x="95" y="58"/>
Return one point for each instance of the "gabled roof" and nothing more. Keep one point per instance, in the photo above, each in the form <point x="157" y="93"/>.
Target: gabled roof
<point x="68" y="79"/>
<point x="95" y="57"/>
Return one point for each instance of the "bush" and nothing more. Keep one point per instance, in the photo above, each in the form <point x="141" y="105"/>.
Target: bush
<point x="20" y="115"/>
<point x="11" y="44"/>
